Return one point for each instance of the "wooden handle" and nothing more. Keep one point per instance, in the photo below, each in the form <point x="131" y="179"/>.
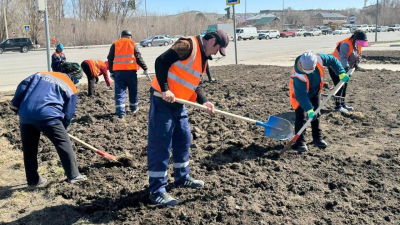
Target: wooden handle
<point x="205" y="107"/>
<point x="84" y="143"/>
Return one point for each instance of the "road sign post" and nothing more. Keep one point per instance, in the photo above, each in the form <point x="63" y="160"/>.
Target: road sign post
<point x="233" y="3"/>
<point x="73" y="31"/>
<point x="352" y="20"/>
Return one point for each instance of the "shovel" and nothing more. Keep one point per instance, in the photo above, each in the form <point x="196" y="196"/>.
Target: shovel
<point x="103" y="154"/>
<point x="332" y="93"/>
<point x="275" y="127"/>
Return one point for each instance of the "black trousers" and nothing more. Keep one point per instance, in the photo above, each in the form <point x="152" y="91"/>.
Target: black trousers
<point x="302" y="117"/>
<point x="91" y="79"/>
<point x="57" y="134"/>
<point x="342" y="90"/>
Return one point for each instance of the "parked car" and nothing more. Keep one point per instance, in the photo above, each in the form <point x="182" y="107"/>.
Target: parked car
<point x="156" y="40"/>
<point x="379" y="29"/>
<point x="274" y="34"/>
<point x="300" y="32"/>
<point x="313" y="32"/>
<point x="325" y="30"/>
<point x="288" y="33"/>
<point x="175" y="38"/>
<point x="341" y="31"/>
<point x="167" y="36"/>
<point x="364" y="28"/>
<point x="245" y="33"/>
<point x="395" y="27"/>
<point x="16" y="44"/>
<point x="263" y="34"/>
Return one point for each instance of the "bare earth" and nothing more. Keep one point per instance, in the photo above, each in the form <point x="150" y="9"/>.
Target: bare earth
<point x="356" y="180"/>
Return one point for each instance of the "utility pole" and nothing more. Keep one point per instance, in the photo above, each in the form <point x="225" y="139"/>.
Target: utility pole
<point x="234" y="32"/>
<point x="147" y="24"/>
<point x="283" y="10"/>
<point x="46" y="21"/>
<point x="376" y="21"/>
<point x="5" y="20"/>
<point x="116" y="22"/>
<point x="245" y="12"/>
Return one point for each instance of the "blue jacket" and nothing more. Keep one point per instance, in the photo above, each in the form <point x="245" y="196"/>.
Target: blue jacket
<point x="46" y="98"/>
<point x="300" y="87"/>
<point x="56" y="60"/>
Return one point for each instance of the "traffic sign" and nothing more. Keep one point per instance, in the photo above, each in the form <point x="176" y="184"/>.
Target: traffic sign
<point x="352" y="19"/>
<point x="232" y="2"/>
<point x="27" y="27"/>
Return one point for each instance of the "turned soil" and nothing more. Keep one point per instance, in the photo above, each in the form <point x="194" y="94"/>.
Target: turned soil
<point x="356" y="180"/>
<point x="381" y="57"/>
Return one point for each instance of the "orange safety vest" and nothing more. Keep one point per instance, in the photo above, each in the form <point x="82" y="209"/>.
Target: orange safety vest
<point x="95" y="66"/>
<point x="124" y="58"/>
<point x="185" y="75"/>
<point x="304" y="78"/>
<point x="351" y="46"/>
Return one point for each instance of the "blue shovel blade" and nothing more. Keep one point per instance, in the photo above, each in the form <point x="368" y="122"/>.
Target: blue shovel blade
<point x="277" y="128"/>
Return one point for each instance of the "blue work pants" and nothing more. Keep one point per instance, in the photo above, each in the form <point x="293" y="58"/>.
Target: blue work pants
<point x="124" y="79"/>
<point x="168" y="128"/>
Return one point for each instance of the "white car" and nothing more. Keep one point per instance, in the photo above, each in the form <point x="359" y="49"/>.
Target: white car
<point x="313" y="32"/>
<point x="274" y="34"/>
<point x="341" y="31"/>
<point x="300" y="32"/>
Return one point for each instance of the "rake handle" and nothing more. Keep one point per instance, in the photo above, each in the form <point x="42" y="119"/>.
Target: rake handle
<point x="205" y="107"/>
<point x="333" y="92"/>
<point x="104" y="154"/>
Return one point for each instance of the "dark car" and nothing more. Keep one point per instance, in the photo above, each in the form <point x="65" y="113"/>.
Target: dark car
<point x="325" y="30"/>
<point x="16" y="44"/>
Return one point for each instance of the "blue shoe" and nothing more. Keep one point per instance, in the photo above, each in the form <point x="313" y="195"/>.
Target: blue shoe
<point x="348" y="108"/>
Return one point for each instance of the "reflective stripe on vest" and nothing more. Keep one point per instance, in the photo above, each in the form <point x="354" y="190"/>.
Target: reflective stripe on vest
<point x="124" y="58"/>
<point x="95" y="66"/>
<point x="303" y="77"/>
<point x="184" y="76"/>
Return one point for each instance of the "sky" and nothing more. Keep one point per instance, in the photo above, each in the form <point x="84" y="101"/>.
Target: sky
<point x="252" y="6"/>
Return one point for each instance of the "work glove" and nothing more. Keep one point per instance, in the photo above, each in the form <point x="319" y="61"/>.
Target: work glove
<point x="145" y="73"/>
<point x="344" y="77"/>
<point x="311" y="114"/>
<point x="110" y="88"/>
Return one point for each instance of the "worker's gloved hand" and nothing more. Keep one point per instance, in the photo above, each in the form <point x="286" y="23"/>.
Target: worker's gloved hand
<point x="311" y="114"/>
<point x="145" y="73"/>
<point x="344" y="77"/>
<point x="110" y="88"/>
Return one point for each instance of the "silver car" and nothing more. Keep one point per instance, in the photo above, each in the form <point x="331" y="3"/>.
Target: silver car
<point x="157" y="40"/>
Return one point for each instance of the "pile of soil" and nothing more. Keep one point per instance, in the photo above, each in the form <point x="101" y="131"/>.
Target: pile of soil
<point x="381" y="57"/>
<point x="355" y="180"/>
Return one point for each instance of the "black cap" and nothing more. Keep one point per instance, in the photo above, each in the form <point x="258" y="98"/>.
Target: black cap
<point x="359" y="35"/>
<point x="223" y="40"/>
<point x="126" y="33"/>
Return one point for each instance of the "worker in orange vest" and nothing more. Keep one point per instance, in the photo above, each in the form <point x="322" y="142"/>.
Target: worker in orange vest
<point x="348" y="52"/>
<point x="124" y="59"/>
<point x="306" y="83"/>
<point x="93" y="69"/>
<point x="179" y="74"/>
<point x="54" y="42"/>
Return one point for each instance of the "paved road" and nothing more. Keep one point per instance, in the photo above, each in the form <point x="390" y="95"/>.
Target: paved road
<point x="15" y="66"/>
